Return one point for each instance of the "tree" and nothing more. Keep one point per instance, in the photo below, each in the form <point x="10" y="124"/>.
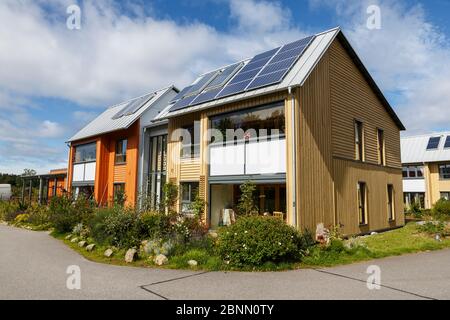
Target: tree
<point x="28" y="172"/>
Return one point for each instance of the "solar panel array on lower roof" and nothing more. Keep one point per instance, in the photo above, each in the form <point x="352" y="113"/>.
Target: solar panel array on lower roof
<point x="133" y="106"/>
<point x="264" y="69"/>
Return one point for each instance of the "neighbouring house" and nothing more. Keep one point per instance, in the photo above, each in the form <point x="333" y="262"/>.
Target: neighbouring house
<point x="305" y="122"/>
<point x="51" y="184"/>
<point x="107" y="156"/>
<point x="426" y="168"/>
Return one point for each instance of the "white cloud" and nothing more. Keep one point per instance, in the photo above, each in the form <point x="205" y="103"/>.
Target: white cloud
<point x="408" y="57"/>
<point x="113" y="57"/>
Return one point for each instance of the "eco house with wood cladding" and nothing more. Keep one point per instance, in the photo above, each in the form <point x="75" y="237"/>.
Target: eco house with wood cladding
<point x="314" y="133"/>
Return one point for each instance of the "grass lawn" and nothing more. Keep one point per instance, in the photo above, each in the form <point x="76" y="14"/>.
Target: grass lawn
<point x="396" y="242"/>
<point x="391" y="243"/>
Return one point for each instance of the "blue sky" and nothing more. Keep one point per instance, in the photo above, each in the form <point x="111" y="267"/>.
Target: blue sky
<point x="54" y="80"/>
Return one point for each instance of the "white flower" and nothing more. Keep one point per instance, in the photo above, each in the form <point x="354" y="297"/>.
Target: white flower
<point x="279" y="243"/>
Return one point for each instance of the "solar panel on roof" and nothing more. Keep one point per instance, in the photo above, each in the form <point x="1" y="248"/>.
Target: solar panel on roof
<point x="181" y="94"/>
<point x="447" y="142"/>
<point x="277" y="68"/>
<point x="133" y="106"/>
<point x="433" y="143"/>
<point x="267" y="68"/>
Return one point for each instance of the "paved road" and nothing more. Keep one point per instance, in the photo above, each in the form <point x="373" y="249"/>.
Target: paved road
<point x="33" y="266"/>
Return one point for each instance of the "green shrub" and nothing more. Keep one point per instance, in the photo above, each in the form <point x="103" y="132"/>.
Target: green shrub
<point x="189" y="228"/>
<point x="153" y="225"/>
<point x="432" y="227"/>
<point x="9" y="210"/>
<point x="415" y="210"/>
<point x="65" y="213"/>
<point x="252" y="241"/>
<point x="21" y="219"/>
<point x="441" y="209"/>
<point x="97" y="225"/>
<point x="246" y="204"/>
<point x="38" y="215"/>
<point x="120" y="227"/>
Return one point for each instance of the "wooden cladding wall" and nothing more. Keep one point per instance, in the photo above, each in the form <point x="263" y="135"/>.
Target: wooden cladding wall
<point x="347" y="174"/>
<point x="190" y="170"/>
<point x="314" y="150"/>
<point x="120" y="173"/>
<point x="352" y="98"/>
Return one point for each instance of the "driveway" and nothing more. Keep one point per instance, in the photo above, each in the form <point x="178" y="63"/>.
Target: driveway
<point x="33" y="266"/>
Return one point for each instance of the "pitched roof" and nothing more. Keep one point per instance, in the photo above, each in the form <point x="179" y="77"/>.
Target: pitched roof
<point x="414" y="149"/>
<point x="107" y="122"/>
<point x="297" y="76"/>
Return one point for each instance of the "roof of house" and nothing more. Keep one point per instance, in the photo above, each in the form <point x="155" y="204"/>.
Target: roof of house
<point x="108" y="122"/>
<point x="296" y="76"/>
<point x="414" y="148"/>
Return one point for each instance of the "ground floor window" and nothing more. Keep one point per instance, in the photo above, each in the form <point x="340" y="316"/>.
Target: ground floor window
<point x="445" y="195"/>
<point x="86" y="191"/>
<point x="362" y="203"/>
<point x="390" y="202"/>
<point x="269" y="199"/>
<point x="119" y="193"/>
<point x="414" y="198"/>
<point x="189" y="191"/>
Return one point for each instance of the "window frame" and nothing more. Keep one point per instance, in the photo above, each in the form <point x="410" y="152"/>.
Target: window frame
<point x="123" y="154"/>
<point x="391" y="202"/>
<point x="442" y="193"/>
<point x="444" y="176"/>
<point x="359" y="140"/>
<point x="381" y="147"/>
<point x="363" y="217"/>
<point x="94" y="143"/>
<point x="193" y="185"/>
<point x="413" y="169"/>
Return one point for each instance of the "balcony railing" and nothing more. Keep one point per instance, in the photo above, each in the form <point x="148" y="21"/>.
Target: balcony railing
<point x="250" y="157"/>
<point x="83" y="172"/>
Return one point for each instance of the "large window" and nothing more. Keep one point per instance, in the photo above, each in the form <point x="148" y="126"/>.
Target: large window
<point x="157" y="170"/>
<point x="359" y="141"/>
<point x="121" y="151"/>
<point x="444" y="171"/>
<point x="381" y="156"/>
<point x="390" y="202"/>
<point x="191" y="141"/>
<point x="445" y="195"/>
<point x="189" y="191"/>
<point x="362" y="203"/>
<point x="412" y="172"/>
<point x="85" y="153"/>
<point x="414" y="197"/>
<point x="251" y="123"/>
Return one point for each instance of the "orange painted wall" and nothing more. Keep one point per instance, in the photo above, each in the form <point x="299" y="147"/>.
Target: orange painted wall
<point x="60" y="187"/>
<point x="107" y="173"/>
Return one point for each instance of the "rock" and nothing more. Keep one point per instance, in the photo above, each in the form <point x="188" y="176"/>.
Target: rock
<point x="192" y="263"/>
<point x="421" y="223"/>
<point x="213" y="234"/>
<point x="82" y="244"/>
<point x="90" y="247"/>
<point x="130" y="255"/>
<point x="322" y="234"/>
<point x="161" y="260"/>
<point x="373" y="233"/>
<point x="68" y="237"/>
<point x="108" y="253"/>
<point x="74" y="240"/>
